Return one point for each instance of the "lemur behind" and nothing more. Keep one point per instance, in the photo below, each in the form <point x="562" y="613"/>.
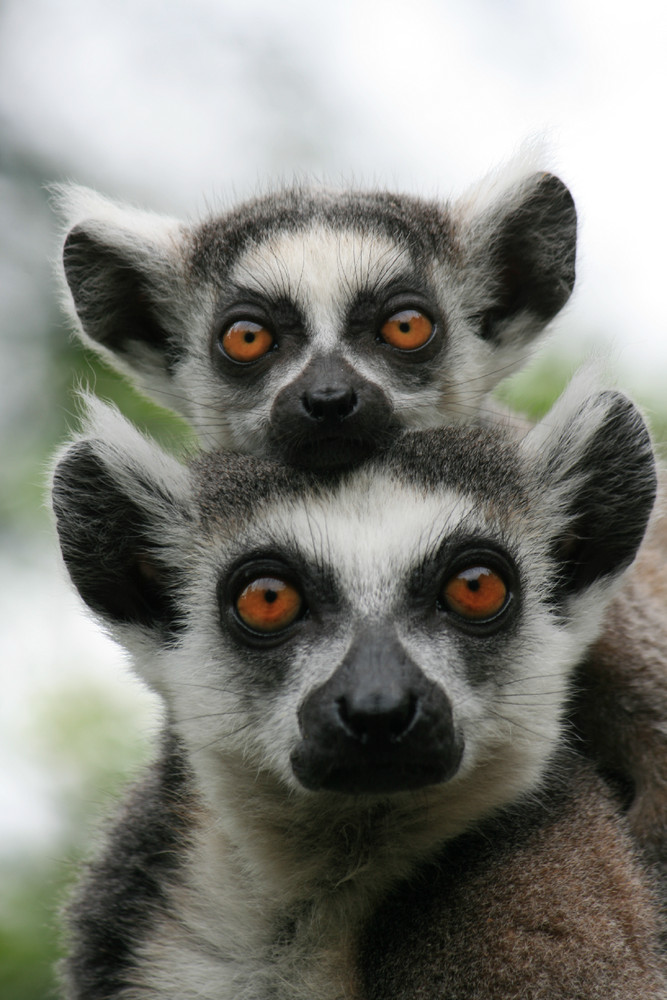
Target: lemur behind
<point x="313" y="325"/>
<point x="355" y="674"/>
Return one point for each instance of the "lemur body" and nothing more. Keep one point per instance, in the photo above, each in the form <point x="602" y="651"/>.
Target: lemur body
<point x="526" y="908"/>
<point x="357" y="670"/>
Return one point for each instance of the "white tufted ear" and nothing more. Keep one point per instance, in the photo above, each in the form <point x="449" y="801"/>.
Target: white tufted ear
<point x="123" y="269"/>
<point x="518" y="232"/>
<point x="122" y="510"/>
<point x="595" y="474"/>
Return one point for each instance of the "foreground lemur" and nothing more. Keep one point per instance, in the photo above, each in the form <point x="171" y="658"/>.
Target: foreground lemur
<point x="356" y="673"/>
<point x="313" y="326"/>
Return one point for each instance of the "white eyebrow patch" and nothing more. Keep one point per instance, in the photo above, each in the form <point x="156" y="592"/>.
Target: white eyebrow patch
<point x="374" y="532"/>
<point x="320" y="270"/>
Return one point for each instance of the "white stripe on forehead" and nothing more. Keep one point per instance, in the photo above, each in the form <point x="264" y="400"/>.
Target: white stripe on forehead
<point x="320" y="269"/>
<point x="371" y="534"/>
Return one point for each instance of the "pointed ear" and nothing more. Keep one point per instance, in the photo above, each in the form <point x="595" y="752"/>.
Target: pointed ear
<point x="520" y="245"/>
<point x="595" y="481"/>
<point x="123" y="511"/>
<point x="123" y="269"/>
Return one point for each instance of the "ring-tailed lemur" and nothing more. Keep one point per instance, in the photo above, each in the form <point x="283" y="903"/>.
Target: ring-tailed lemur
<point x="356" y="670"/>
<point x="313" y="326"/>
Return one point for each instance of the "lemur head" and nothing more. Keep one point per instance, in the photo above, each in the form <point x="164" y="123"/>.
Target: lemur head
<point x="310" y="325"/>
<point x="408" y="625"/>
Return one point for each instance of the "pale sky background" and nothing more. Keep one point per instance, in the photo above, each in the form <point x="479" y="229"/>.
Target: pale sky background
<point x="182" y="104"/>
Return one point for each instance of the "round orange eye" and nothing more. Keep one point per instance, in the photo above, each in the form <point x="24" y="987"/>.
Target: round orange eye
<point x="268" y="604"/>
<point x="246" y="341"/>
<point x="407" y="330"/>
<point x="477" y="594"/>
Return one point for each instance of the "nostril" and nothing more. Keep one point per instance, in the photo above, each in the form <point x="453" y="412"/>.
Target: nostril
<point x="346" y="404"/>
<point x="330" y="404"/>
<point x="374" y="721"/>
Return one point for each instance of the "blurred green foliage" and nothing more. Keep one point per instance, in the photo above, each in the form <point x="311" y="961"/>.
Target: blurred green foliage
<point x="90" y="744"/>
<point x="534" y="389"/>
<point x="28" y="943"/>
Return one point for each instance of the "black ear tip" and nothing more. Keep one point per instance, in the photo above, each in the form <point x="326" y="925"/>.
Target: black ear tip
<point x="80" y="462"/>
<point x="611" y="507"/>
<point x="77" y="452"/>
<point x="77" y="245"/>
<point x="623" y="417"/>
<point x="552" y="185"/>
<point x="553" y="197"/>
<point x="110" y="540"/>
<point x="75" y="488"/>
<point x="625" y="432"/>
<point x="76" y="470"/>
<point x="619" y="409"/>
<point x="75" y="236"/>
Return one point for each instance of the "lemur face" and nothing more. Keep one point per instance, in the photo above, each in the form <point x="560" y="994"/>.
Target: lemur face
<point x="351" y="631"/>
<point x="311" y="326"/>
<point x="411" y="625"/>
<point x="323" y="338"/>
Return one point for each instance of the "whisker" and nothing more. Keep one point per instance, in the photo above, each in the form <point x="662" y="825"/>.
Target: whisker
<point x="529" y="677"/>
<point x="515" y="724"/>
<point x="208" y="715"/>
<point x="515" y="696"/>
<point x="220" y="737"/>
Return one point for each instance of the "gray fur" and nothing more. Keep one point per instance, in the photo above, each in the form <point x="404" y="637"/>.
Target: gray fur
<point x="529" y="907"/>
<point x="227" y="876"/>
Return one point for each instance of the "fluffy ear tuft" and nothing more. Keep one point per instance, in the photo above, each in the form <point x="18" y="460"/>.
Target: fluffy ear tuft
<point x="121" y="267"/>
<point x="595" y="475"/>
<point x="520" y="243"/>
<point x="114" y="496"/>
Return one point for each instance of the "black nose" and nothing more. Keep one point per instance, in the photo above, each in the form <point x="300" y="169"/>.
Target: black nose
<point x="330" y="416"/>
<point x="377" y="725"/>
<point x="330" y="404"/>
<point x="379" y="717"/>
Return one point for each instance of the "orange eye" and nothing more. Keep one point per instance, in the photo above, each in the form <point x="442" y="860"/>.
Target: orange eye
<point x="245" y="341"/>
<point x="268" y="604"/>
<point x="477" y="594"/>
<point x="407" y="330"/>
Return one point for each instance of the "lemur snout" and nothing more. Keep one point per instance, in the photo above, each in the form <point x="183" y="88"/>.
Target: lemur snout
<point x="330" y="416"/>
<point x="377" y="725"/>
